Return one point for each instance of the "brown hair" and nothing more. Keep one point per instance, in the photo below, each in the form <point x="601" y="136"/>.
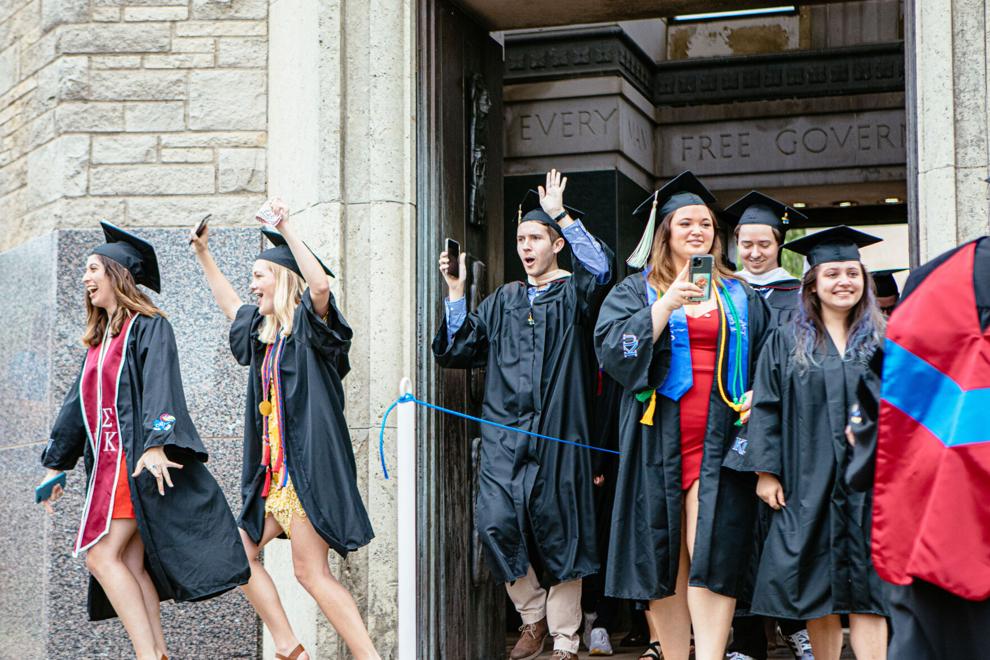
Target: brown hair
<point x="776" y="234"/>
<point x="865" y="323"/>
<point x="130" y="299"/>
<point x="662" y="260"/>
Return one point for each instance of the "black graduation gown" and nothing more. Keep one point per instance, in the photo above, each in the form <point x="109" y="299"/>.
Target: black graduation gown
<point x="534" y="503"/>
<point x="317" y="444"/>
<point x="191" y="545"/>
<point x="646" y="522"/>
<point x="783" y="297"/>
<point x="816" y="559"/>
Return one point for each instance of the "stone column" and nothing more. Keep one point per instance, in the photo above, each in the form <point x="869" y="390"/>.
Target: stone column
<point x="952" y="130"/>
<point x="342" y="153"/>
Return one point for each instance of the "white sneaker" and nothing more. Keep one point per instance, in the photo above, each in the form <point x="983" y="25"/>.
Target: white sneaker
<point x="599" y="643"/>
<point x="736" y="655"/>
<point x="800" y="645"/>
<point x="589" y="623"/>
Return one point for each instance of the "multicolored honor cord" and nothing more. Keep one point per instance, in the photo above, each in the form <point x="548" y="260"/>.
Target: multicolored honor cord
<point x="271" y="379"/>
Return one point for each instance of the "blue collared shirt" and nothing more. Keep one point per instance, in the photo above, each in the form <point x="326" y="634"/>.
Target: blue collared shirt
<point x="585" y="249"/>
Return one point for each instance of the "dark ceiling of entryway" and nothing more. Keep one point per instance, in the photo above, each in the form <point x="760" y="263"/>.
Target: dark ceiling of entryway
<point x="514" y="14"/>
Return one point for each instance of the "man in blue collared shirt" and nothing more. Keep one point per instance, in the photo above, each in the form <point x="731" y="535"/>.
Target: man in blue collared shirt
<point x="534" y="510"/>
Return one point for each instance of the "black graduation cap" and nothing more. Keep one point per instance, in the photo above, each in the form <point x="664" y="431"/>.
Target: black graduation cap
<point x="135" y="254"/>
<point x="281" y="254"/>
<point x="755" y="208"/>
<point x="685" y="189"/>
<point x="840" y="243"/>
<point x="885" y="282"/>
<point x="530" y="210"/>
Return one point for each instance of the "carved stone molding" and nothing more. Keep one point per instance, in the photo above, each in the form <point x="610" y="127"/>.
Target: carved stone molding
<point x="586" y="52"/>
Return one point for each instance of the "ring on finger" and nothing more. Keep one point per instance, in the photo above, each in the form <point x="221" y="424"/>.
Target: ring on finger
<point x="153" y="468"/>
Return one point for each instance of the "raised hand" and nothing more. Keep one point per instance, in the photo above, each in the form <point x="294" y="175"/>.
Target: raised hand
<point x="455" y="285"/>
<point x="680" y="292"/>
<point x="552" y="195"/>
<point x="200" y="244"/>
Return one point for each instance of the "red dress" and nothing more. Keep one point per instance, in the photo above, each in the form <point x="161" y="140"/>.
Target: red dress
<point x="703" y="333"/>
<point x="123" y="507"/>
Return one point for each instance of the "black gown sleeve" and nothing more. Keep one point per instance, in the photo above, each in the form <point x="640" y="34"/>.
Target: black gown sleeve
<point x="863" y="424"/>
<point x="586" y="285"/>
<point x="244" y="333"/>
<point x="469" y="346"/>
<point x="624" y="339"/>
<point x="758" y="446"/>
<point x="761" y="319"/>
<point x="68" y="436"/>
<point x="166" y="420"/>
<point x="331" y="338"/>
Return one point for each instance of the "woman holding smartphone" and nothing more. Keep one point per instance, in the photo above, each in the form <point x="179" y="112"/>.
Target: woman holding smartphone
<point x="299" y="479"/>
<point x="816" y="562"/>
<point x="126" y="414"/>
<point x="681" y="525"/>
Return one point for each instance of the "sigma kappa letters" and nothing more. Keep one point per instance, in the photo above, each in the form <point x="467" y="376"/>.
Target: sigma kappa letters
<point x="98" y="400"/>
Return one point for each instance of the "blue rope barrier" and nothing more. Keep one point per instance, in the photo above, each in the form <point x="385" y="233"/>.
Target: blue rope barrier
<point x="409" y="398"/>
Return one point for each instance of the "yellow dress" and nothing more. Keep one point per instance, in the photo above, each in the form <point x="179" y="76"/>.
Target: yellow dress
<point x="282" y="502"/>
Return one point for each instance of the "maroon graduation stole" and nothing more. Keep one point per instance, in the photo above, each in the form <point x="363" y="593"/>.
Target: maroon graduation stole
<point x="98" y="400"/>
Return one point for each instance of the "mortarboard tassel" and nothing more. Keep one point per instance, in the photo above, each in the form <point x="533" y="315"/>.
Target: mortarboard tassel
<point x="519" y="219"/>
<point x="641" y="254"/>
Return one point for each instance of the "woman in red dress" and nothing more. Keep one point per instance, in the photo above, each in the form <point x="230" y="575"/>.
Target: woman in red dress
<point x="682" y="527"/>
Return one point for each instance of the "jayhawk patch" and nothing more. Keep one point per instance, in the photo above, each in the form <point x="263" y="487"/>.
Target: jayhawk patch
<point x="165" y="422"/>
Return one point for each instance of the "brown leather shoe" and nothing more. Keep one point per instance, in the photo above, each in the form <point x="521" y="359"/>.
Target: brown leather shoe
<point x="561" y="654"/>
<point x="531" y="638"/>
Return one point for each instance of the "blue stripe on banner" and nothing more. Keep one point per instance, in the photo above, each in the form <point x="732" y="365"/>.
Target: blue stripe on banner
<point x="953" y="415"/>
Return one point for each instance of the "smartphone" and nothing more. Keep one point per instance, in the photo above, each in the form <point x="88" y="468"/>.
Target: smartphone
<point x="700" y="274"/>
<point x="267" y="215"/>
<point x="202" y="225"/>
<point x="454" y="256"/>
<point x="44" y="491"/>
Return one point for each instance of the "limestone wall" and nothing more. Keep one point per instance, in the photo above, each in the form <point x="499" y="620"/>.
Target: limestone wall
<point x="144" y="115"/>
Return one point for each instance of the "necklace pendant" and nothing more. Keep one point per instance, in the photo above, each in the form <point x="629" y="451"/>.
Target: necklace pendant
<point x="265" y="408"/>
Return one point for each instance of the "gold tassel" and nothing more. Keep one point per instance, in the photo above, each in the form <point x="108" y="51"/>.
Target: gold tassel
<point x="519" y="219"/>
<point x="647" y="418"/>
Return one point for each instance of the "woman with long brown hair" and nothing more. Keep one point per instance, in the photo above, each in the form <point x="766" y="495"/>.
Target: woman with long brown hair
<point x="816" y="562"/>
<point x="681" y="525"/>
<point x="299" y="479"/>
<point x="126" y="414"/>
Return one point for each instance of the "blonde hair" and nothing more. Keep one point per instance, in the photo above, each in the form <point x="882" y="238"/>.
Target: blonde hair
<point x="289" y="289"/>
<point x="130" y="299"/>
<point x="663" y="273"/>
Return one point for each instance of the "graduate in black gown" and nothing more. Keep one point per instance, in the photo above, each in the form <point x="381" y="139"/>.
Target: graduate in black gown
<point x="534" y="510"/>
<point x="126" y="416"/>
<point x="679" y="518"/>
<point x="761" y="226"/>
<point x="299" y="479"/>
<point x="886" y="287"/>
<point x="931" y="490"/>
<point x="816" y="561"/>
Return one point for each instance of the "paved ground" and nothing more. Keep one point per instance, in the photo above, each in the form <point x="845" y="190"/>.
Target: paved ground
<point x="630" y="654"/>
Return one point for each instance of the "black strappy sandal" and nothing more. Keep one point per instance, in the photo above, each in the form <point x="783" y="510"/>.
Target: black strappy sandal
<point x="652" y="652"/>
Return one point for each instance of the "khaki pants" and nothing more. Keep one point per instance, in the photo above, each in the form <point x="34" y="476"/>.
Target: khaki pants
<point x="561" y="607"/>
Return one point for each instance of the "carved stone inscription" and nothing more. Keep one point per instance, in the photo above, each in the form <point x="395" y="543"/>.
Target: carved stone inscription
<point x="579" y="126"/>
<point x="785" y="144"/>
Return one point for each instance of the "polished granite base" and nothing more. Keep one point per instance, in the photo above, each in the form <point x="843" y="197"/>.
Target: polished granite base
<point x="42" y="587"/>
